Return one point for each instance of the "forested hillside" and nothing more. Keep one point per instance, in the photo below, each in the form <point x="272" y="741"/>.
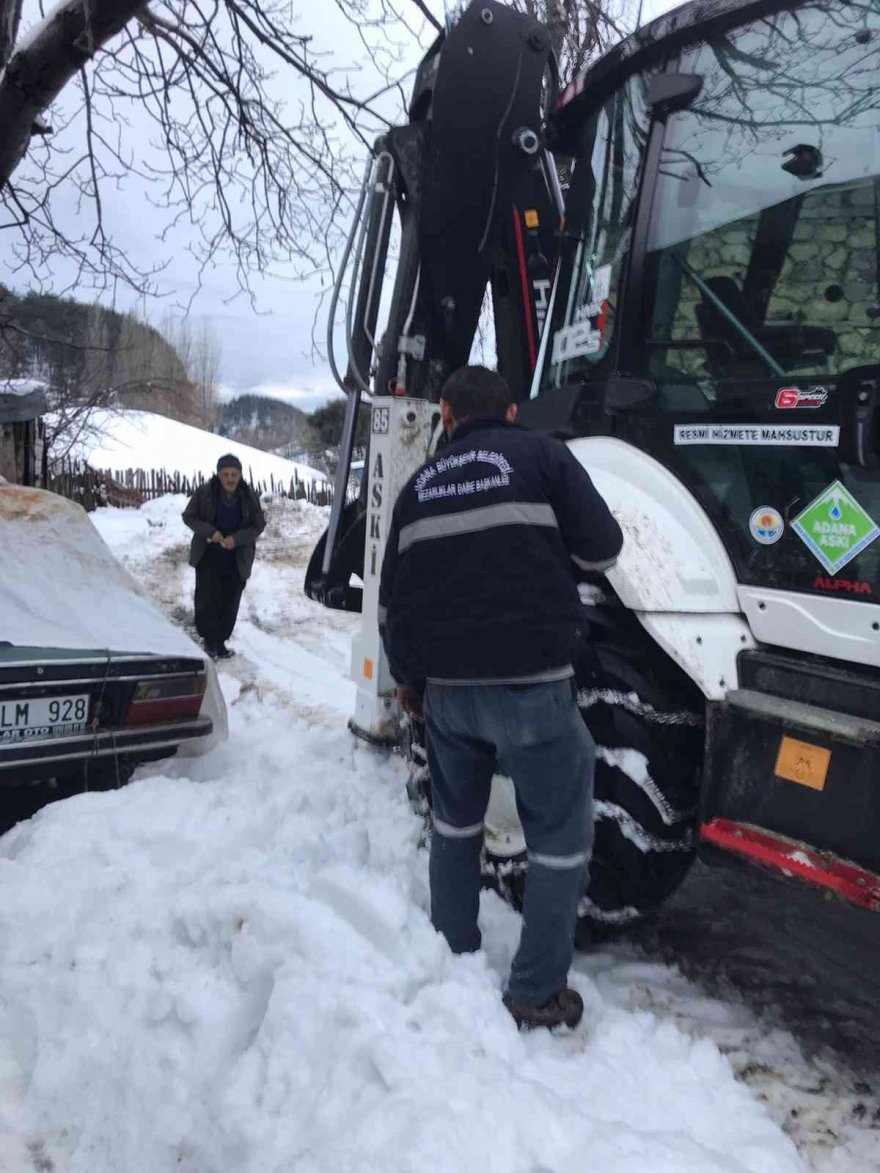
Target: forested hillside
<point x="270" y="424"/>
<point x="90" y="356"/>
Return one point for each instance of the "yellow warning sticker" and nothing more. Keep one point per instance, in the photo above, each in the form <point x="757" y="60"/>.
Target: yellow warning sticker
<point x="801" y="762"/>
<point x="531" y="218"/>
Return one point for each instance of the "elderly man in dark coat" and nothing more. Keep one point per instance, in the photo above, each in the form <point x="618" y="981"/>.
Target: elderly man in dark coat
<point x="226" y="519"/>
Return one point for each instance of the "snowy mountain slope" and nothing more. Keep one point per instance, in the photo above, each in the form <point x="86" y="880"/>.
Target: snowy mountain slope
<point x="228" y="967"/>
<point x="120" y="440"/>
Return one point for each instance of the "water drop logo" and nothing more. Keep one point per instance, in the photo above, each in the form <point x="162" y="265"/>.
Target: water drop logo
<point x="766" y="525"/>
<point x="835" y="528"/>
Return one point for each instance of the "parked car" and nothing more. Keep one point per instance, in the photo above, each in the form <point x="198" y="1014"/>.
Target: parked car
<point x="94" y="680"/>
<point x="73" y="711"/>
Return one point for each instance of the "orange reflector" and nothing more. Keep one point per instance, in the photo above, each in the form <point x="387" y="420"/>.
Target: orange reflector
<point x="368" y="669"/>
<point x="531" y="218"/>
<point x="801" y="762"/>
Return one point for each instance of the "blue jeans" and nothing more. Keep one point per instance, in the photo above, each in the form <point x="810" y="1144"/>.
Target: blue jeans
<point x="535" y="734"/>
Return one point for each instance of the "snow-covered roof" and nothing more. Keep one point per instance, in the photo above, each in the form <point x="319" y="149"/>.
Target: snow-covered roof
<point x="21" y="386"/>
<point x="21" y="399"/>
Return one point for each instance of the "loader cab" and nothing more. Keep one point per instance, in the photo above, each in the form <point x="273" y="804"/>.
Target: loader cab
<point x="717" y="301"/>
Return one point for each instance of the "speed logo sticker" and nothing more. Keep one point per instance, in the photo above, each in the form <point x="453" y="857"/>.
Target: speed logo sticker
<point x="792" y="397"/>
<point x="766" y="525"/>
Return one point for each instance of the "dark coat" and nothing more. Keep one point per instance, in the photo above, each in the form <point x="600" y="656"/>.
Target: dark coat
<point x="478" y="582"/>
<point x="199" y="516"/>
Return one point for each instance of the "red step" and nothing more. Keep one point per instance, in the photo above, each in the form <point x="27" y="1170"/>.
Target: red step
<point x="795" y="860"/>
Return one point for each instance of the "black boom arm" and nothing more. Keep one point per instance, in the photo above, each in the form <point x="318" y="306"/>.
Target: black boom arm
<point x="478" y="203"/>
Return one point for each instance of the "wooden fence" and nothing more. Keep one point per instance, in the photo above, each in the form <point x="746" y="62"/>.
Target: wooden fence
<point x="131" y="487"/>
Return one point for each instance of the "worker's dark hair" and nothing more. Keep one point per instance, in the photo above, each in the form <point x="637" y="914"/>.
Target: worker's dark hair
<point x="477" y="391"/>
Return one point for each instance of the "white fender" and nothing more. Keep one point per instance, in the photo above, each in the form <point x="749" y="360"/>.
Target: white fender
<point x="673" y="571"/>
<point x="672" y="558"/>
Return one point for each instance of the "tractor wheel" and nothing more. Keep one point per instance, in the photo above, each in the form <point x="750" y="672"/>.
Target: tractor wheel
<point x="646" y="718"/>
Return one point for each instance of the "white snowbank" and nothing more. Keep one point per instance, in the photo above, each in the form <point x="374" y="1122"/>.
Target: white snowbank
<point x="228" y="967"/>
<point x="241" y="977"/>
<point x="121" y="440"/>
<point x="61" y="587"/>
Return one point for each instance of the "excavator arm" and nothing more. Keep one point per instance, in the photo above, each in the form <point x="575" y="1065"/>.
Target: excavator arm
<point x="475" y="194"/>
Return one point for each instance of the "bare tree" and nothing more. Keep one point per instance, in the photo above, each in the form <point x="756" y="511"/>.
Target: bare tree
<point x="581" y="30"/>
<point x="189" y="392"/>
<point x="204" y="372"/>
<point x="227" y="114"/>
<point x="251" y="132"/>
<point x="78" y="388"/>
<point x="250" y="137"/>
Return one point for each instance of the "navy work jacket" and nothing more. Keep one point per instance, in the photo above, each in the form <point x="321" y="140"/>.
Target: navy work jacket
<point x="478" y="580"/>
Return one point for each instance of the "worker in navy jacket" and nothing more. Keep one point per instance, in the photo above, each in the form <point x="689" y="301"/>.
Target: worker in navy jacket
<point x="480" y="614"/>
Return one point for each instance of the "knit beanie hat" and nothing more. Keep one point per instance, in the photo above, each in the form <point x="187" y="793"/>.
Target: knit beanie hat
<point x="229" y="461"/>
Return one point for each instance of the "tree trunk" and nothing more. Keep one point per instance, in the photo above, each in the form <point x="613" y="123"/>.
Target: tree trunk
<point x="10" y="16"/>
<point x="35" y="74"/>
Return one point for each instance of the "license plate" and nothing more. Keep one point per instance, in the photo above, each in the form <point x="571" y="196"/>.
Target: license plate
<point x="35" y="720"/>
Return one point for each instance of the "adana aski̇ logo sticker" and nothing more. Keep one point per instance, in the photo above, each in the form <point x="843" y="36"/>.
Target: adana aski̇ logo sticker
<point x="835" y="528"/>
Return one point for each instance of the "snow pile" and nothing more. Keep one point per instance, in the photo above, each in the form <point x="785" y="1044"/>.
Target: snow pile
<point x="120" y="440"/>
<point x="63" y="588"/>
<point x="228" y="967"/>
<point x="241" y="977"/>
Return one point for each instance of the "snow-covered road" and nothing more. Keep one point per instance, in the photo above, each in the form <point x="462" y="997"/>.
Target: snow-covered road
<point x="228" y="967"/>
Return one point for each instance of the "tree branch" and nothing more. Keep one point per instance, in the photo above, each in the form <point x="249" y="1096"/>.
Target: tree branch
<point x="428" y="15"/>
<point x="36" y="74"/>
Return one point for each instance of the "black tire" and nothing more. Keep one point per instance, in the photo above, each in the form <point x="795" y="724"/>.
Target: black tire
<point x="646" y="718"/>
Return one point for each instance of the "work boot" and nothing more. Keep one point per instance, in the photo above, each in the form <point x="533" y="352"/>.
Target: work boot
<point x="224" y="653"/>
<point x="211" y="651"/>
<point x="564" y="1009"/>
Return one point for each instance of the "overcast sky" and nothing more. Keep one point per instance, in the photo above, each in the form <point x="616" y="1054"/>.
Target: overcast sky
<point x="269" y="351"/>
